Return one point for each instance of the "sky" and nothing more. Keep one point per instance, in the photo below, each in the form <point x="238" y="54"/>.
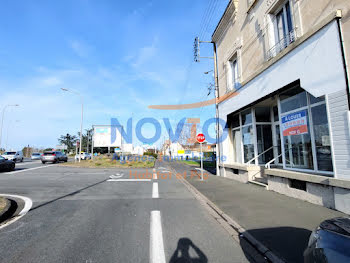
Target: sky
<point x="121" y="56"/>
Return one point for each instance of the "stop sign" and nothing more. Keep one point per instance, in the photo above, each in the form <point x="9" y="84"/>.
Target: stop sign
<point x="200" y="137"/>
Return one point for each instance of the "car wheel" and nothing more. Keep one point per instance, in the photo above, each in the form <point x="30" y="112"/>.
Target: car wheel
<point x="22" y="160"/>
<point x="43" y="162"/>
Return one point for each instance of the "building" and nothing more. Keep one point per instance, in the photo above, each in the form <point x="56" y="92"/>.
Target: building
<point x="286" y="65"/>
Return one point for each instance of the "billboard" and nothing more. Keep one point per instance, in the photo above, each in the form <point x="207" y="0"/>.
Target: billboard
<point x="103" y="136"/>
<point x="295" y="123"/>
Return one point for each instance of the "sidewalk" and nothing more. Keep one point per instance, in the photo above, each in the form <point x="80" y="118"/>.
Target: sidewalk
<point x="281" y="223"/>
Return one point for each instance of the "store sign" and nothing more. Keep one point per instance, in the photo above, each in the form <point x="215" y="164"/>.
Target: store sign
<point x="295" y="123"/>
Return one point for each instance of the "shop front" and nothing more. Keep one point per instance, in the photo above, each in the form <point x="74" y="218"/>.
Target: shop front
<point x="289" y="129"/>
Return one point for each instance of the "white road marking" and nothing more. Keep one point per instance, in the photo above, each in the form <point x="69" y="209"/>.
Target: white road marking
<point x="115" y="176"/>
<point x="161" y="168"/>
<point x="128" y="180"/>
<point x="157" y="254"/>
<point x="29" y="169"/>
<point x="27" y="206"/>
<point x="155" y="176"/>
<point x="155" y="193"/>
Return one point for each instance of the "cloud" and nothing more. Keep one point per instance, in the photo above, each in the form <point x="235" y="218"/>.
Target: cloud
<point x="80" y="48"/>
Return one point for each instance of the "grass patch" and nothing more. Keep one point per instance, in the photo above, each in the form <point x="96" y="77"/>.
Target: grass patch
<point x="206" y="164"/>
<point x="2" y="203"/>
<point x="106" y="162"/>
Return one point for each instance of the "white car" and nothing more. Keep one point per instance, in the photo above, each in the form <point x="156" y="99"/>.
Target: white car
<point x="84" y="156"/>
<point x="14" y="156"/>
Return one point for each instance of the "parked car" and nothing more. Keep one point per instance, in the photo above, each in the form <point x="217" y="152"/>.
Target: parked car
<point x="84" y="156"/>
<point x="54" y="157"/>
<point x="329" y="242"/>
<point x="14" y="156"/>
<point x="6" y="165"/>
<point x="36" y="156"/>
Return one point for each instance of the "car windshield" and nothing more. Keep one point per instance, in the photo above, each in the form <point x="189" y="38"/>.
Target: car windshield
<point x="36" y="154"/>
<point x="49" y="153"/>
<point x="9" y="153"/>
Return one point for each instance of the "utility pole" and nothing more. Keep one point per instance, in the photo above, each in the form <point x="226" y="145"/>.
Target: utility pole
<point x="197" y="58"/>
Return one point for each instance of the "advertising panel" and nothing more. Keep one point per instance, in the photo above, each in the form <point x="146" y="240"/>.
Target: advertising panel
<point x="102" y="137"/>
<point x="295" y="123"/>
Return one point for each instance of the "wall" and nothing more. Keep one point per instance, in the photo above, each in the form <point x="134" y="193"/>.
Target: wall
<point x="337" y="104"/>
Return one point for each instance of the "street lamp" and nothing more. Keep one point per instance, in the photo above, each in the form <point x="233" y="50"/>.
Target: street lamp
<point x="81" y="122"/>
<point x="2" y="120"/>
<point x="207" y="72"/>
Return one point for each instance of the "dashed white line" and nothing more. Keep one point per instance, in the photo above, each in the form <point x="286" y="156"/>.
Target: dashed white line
<point x="155" y="193"/>
<point x="157" y="254"/>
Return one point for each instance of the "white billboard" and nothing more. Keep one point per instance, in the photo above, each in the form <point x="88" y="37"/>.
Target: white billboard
<point x="103" y="138"/>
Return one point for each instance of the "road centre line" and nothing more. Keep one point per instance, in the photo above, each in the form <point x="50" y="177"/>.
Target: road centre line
<point x="155" y="193"/>
<point x="30" y="169"/>
<point x="157" y="254"/>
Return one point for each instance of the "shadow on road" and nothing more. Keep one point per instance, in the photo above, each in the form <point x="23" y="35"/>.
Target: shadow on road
<point x="182" y="253"/>
<point x="287" y="243"/>
<point x="70" y="194"/>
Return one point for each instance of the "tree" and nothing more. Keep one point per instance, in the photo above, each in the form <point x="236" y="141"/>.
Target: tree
<point x="68" y="140"/>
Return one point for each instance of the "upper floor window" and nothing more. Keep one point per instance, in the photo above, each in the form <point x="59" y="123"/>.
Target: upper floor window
<point x="234" y="73"/>
<point x="283" y="29"/>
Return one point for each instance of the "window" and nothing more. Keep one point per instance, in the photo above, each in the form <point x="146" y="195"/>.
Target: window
<point x="234" y="74"/>
<point x="247" y="117"/>
<point x="248" y="142"/>
<point x="293" y="99"/>
<point x="284" y="33"/>
<point x="322" y="139"/>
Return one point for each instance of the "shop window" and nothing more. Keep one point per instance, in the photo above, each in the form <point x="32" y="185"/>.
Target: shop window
<point x="264" y="143"/>
<point x="247" y="117"/>
<point x="293" y="99"/>
<point x="297" y="140"/>
<point x="262" y="114"/>
<point x="322" y="138"/>
<point x="314" y="100"/>
<point x="235" y="121"/>
<point x="275" y="113"/>
<point x="248" y="143"/>
<point x="237" y="150"/>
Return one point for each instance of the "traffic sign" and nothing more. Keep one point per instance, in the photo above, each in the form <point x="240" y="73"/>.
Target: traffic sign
<point x="200" y="137"/>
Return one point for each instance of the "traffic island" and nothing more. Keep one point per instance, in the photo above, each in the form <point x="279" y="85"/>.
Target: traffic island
<point x="8" y="208"/>
<point x="107" y="162"/>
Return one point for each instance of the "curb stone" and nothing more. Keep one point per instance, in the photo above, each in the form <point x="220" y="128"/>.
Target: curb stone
<point x="235" y="230"/>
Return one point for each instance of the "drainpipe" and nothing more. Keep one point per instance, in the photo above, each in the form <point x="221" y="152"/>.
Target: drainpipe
<point x="342" y="47"/>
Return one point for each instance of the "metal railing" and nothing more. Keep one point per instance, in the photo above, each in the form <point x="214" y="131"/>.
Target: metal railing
<point x="282" y="44"/>
<point x="249" y="162"/>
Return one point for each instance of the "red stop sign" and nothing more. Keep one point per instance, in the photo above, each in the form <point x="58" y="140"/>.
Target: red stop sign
<point x="200" y="137"/>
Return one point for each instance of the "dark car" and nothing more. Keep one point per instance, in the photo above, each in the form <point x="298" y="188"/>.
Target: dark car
<point x="329" y="242"/>
<point x="54" y="157"/>
<point x="6" y="165"/>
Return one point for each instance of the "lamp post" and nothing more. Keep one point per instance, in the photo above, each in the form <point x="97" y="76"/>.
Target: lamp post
<point x="81" y="121"/>
<point x="2" y="119"/>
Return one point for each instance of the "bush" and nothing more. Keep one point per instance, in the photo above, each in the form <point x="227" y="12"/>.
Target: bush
<point x="151" y="154"/>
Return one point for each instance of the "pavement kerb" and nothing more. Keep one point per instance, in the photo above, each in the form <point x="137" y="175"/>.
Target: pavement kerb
<point x="225" y="221"/>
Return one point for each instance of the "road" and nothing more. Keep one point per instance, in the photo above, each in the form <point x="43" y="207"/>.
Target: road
<point x="79" y="215"/>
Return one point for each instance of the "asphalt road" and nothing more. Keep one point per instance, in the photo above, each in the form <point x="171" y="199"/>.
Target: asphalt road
<point x="80" y="216"/>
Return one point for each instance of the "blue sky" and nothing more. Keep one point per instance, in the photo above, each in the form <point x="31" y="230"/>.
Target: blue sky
<point x="121" y="55"/>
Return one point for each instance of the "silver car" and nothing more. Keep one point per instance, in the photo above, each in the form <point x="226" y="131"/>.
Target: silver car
<point x="36" y="156"/>
<point x="53" y="157"/>
<point x="14" y="156"/>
